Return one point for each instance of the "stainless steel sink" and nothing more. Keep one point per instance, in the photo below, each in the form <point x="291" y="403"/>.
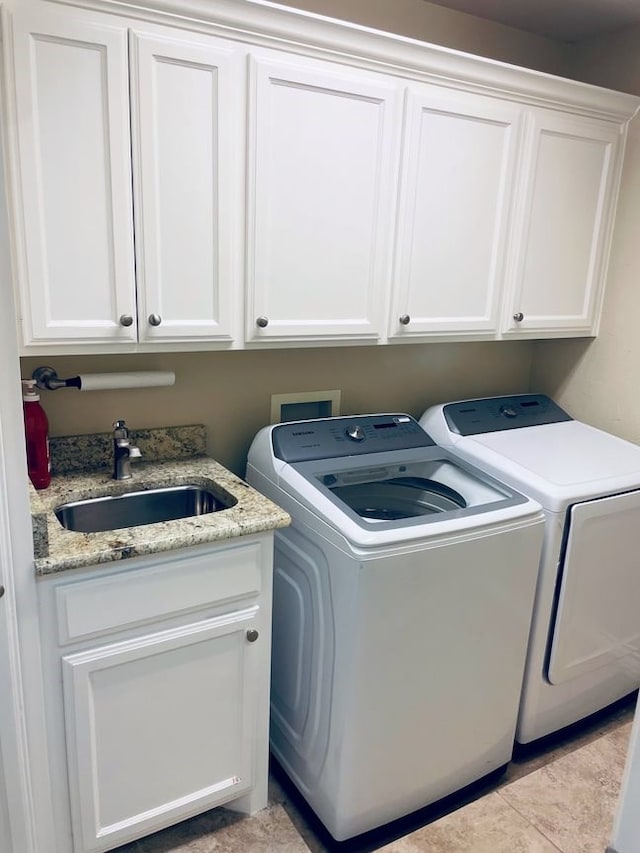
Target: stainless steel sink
<point x="135" y="508"/>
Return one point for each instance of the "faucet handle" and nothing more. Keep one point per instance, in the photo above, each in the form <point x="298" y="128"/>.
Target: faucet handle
<point x="135" y="453"/>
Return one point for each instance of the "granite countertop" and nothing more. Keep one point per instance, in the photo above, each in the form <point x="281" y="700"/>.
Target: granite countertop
<point x="57" y="549"/>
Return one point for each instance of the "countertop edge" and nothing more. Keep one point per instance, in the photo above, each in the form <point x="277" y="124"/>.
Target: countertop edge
<point x="57" y="550"/>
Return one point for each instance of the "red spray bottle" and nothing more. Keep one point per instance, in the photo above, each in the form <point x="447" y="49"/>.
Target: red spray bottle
<point x="36" y="427"/>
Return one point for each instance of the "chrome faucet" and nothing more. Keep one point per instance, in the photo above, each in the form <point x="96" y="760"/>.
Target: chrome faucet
<point x="123" y="451"/>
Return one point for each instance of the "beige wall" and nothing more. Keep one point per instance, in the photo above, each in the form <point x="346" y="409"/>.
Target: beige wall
<point x="425" y="21"/>
<point x="599" y="381"/>
<point x="611" y="61"/>
<point x="231" y="392"/>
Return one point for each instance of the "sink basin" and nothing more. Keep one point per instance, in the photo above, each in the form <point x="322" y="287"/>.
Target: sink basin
<point x="131" y="509"/>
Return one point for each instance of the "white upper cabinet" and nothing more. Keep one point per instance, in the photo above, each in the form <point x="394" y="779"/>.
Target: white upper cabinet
<point x="250" y="176"/>
<point x="323" y="143"/>
<point x="74" y="78"/>
<point x="187" y="122"/>
<point x="74" y="179"/>
<point x="459" y="157"/>
<point x="563" y="228"/>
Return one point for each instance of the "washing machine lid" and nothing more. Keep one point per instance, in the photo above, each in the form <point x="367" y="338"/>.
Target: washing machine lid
<point x="378" y="480"/>
<point x="557" y="464"/>
<point x="399" y="496"/>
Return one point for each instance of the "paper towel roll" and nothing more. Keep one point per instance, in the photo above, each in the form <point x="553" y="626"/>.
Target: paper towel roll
<point x="138" y="379"/>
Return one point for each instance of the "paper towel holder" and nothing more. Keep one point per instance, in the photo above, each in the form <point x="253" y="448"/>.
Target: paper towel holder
<point x="47" y="378"/>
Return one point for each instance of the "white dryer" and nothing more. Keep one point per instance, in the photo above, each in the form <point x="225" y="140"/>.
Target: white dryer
<point x="584" y="650"/>
<point x="403" y="593"/>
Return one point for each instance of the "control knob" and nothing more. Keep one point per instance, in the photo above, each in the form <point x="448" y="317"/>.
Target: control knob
<point x="355" y="433"/>
<point x="508" y="412"/>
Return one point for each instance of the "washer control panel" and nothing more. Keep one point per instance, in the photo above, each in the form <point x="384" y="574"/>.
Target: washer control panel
<point x="327" y="438"/>
<point x="493" y="414"/>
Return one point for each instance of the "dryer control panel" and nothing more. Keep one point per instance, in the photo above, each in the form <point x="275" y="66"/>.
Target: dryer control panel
<point x="473" y="417"/>
<point x="328" y="438"/>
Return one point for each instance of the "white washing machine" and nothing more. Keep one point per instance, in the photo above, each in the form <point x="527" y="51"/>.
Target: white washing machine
<point x="402" y="600"/>
<point x="584" y="650"/>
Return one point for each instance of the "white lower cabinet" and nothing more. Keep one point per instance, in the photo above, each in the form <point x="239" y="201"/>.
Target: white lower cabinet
<point x="159" y="679"/>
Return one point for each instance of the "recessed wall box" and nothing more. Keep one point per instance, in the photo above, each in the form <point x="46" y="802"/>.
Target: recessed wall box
<point x="302" y="405"/>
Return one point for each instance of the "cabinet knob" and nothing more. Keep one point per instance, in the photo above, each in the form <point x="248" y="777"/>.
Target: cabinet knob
<point x="155" y="319"/>
<point x="405" y="319"/>
<point x="518" y="316"/>
<point x="1" y="590"/>
<point x="262" y="322"/>
<point x="126" y="320"/>
<point x="252" y="635"/>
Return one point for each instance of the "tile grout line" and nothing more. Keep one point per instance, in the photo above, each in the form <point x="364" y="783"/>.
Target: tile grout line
<point x="537" y="828"/>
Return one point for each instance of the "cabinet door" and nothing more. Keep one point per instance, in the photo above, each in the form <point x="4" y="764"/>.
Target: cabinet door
<point x="187" y="109"/>
<point x="159" y="728"/>
<point x="323" y="151"/>
<point x="72" y="103"/>
<point x="455" y="202"/>
<point x="561" y="247"/>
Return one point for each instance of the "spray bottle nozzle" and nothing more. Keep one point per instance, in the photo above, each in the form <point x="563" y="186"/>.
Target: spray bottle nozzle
<point x="29" y="392"/>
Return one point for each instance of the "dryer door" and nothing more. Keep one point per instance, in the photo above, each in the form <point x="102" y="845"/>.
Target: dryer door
<point x="598" y="613"/>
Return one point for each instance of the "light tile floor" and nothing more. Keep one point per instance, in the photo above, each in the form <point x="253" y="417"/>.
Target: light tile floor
<point x="566" y="806"/>
<point x="557" y="797"/>
<point x="224" y="831"/>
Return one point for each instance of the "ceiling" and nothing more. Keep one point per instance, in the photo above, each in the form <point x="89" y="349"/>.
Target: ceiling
<point x="565" y="20"/>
